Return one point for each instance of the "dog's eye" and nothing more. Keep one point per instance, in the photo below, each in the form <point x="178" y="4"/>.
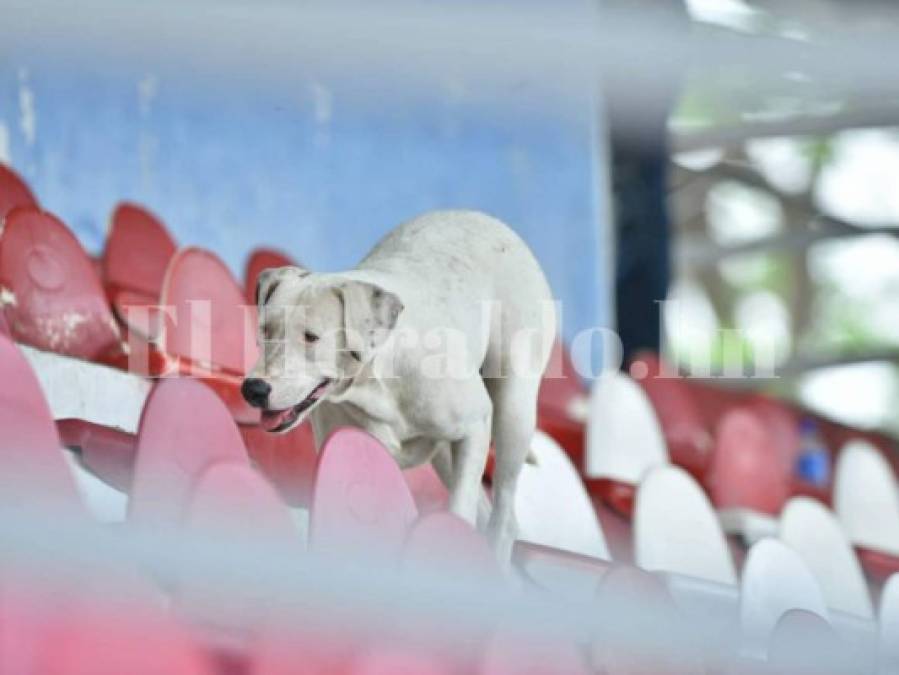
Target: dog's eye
<point x="310" y="337"/>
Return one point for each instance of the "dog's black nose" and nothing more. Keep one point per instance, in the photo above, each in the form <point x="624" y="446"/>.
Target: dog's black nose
<point x="256" y="391"/>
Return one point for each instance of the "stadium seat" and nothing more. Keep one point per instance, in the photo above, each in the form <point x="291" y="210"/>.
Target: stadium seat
<point x="563" y="574"/>
<point x="360" y="500"/>
<point x="260" y="260"/>
<point x="866" y="498"/>
<point x="888" y="626"/>
<point x="57" y="303"/>
<point x="676" y="530"/>
<point x="13" y="192"/>
<point x="4" y="327"/>
<point x="803" y="643"/>
<point x="231" y="504"/>
<point x="687" y="437"/>
<point x="30" y="451"/>
<point x="230" y="498"/>
<point x="287" y="460"/>
<point x="624" y="440"/>
<point x="544" y="517"/>
<point x="646" y="635"/>
<point x="775" y="580"/>
<point x="563" y="403"/>
<point x="748" y="479"/>
<point x="214" y="332"/>
<point x="428" y="491"/>
<point x="137" y="253"/>
<point x="442" y="542"/>
<point x="811" y="530"/>
<point x="184" y="430"/>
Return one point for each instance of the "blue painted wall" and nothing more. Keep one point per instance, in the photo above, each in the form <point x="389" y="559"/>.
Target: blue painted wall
<point x="321" y="170"/>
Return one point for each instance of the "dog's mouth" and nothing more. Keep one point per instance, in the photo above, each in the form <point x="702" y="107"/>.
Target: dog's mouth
<point x="275" y="421"/>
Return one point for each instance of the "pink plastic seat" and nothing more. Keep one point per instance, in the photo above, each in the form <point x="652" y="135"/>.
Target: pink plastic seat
<point x="58" y="304"/>
<point x="260" y="260"/>
<point x="4" y="327"/>
<point x="184" y="430"/>
<point x="231" y="498"/>
<point x="287" y="460"/>
<point x="30" y="453"/>
<point x="428" y="491"/>
<point x="360" y="500"/>
<point x="748" y="470"/>
<point x="137" y="253"/>
<point x="231" y="504"/>
<point x="441" y="541"/>
<point x="13" y="192"/>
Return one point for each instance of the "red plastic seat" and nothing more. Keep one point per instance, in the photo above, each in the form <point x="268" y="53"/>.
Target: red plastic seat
<point x="213" y="334"/>
<point x="287" y="460"/>
<point x="686" y="434"/>
<point x="59" y="304"/>
<point x="107" y="452"/>
<point x="360" y="500"/>
<point x="878" y="565"/>
<point x="184" y="430"/>
<point x="260" y="260"/>
<point x="137" y="253"/>
<point x="13" y="192"/>
<point x="4" y="327"/>
<point x="30" y="451"/>
<point x="748" y="470"/>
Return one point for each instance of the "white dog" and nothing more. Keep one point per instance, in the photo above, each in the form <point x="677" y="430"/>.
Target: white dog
<point x="435" y="344"/>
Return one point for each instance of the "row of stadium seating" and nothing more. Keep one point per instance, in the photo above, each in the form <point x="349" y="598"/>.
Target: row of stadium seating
<point x="655" y="487"/>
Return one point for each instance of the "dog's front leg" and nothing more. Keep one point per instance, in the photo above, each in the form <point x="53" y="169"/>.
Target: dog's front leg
<point x="469" y="458"/>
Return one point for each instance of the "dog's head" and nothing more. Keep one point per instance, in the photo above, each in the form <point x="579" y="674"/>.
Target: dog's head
<point x="316" y="332"/>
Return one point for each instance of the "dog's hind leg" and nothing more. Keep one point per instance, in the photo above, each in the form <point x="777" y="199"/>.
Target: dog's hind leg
<point x="514" y="419"/>
<point x="442" y="462"/>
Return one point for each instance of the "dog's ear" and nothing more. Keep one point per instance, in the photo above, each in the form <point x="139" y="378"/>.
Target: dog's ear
<point x="269" y="280"/>
<point x="369" y="314"/>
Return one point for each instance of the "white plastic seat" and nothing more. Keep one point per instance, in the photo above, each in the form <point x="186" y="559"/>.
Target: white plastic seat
<point x="866" y="497"/>
<point x="811" y="530"/>
<point x="775" y="580"/>
<point x="676" y="529"/>
<point x="624" y="438"/>
<point x="553" y="507"/>
<point x="889" y="626"/>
